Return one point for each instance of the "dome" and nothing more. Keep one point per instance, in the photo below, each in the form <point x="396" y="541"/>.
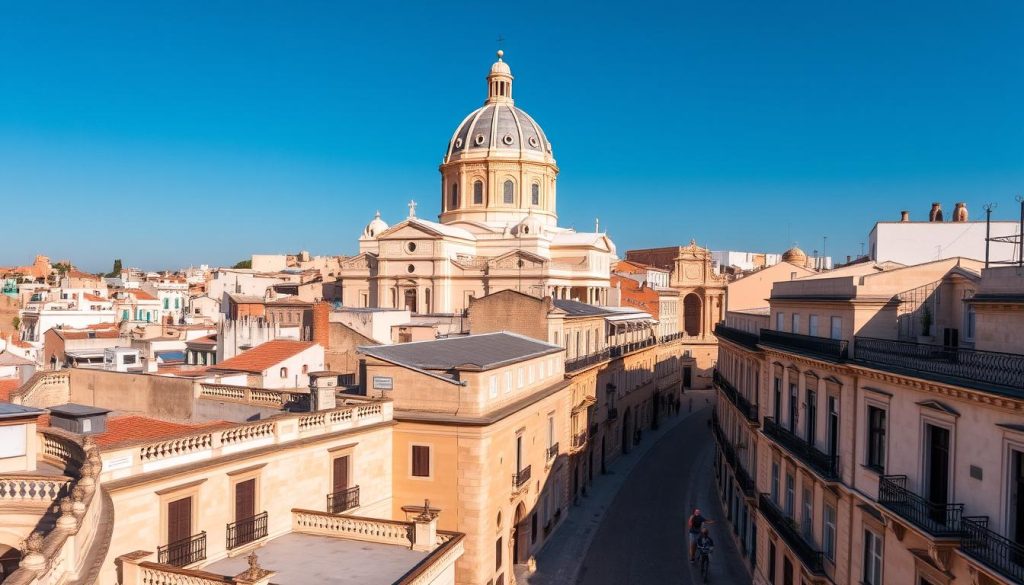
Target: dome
<point x="794" y="255"/>
<point x="531" y="226"/>
<point x="375" y="228"/>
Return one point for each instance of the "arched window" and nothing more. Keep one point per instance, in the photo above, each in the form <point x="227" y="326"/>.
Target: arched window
<point x="509" y="192"/>
<point x="284" y="372"/>
<point x="305" y="369"/>
<point x="455" y="197"/>
<point x="535" y="194"/>
<point x="478" y="193"/>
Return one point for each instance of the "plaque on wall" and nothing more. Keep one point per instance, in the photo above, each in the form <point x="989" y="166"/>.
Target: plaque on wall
<point x="383" y="383"/>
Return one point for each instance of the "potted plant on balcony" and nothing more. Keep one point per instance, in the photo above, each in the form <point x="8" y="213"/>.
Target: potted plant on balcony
<point x="926" y="326"/>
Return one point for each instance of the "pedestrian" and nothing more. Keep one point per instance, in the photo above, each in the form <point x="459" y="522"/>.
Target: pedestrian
<point x="694" y="525"/>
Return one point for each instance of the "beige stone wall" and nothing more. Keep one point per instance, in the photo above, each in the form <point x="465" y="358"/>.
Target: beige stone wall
<point x="157" y="396"/>
<point x="752" y="291"/>
<point x="511" y="311"/>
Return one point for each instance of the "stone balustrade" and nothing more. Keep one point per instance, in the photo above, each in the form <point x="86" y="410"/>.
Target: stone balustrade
<point x="353" y="527"/>
<point x="28" y="489"/>
<point x="248" y="394"/>
<point x="131" y="460"/>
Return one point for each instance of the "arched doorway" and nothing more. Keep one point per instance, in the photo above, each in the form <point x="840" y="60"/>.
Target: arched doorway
<point x="692" y="315"/>
<point x="517" y="556"/>
<point x="410" y="299"/>
<point x="627" y="431"/>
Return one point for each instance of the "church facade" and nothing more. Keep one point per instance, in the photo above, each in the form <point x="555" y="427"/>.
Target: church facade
<point x="497" y="230"/>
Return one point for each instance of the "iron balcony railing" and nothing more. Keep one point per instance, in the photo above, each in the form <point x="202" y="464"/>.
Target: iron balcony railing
<point x="995" y="551"/>
<point x="737" y="336"/>
<point x="552" y="451"/>
<point x="247" y="530"/>
<point x="521" y="477"/>
<point x="613" y="414"/>
<point x="343" y="500"/>
<point x="184" y="552"/>
<point x="742" y="477"/>
<point x="827" y="466"/>
<point x="964" y="366"/>
<point x="835" y="350"/>
<point x="626" y="348"/>
<point x="812" y="558"/>
<point x="585" y="361"/>
<point x="671" y="337"/>
<point x="938" y="520"/>
<point x="738" y="399"/>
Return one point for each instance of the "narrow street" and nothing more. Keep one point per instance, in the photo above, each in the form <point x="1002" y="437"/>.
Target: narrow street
<point x="642" y="538"/>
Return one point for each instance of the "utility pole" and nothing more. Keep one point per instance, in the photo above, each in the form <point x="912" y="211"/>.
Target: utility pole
<point x="988" y="229"/>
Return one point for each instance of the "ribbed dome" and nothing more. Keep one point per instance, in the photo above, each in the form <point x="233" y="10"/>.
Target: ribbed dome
<point x="794" y="255"/>
<point x="501" y="126"/>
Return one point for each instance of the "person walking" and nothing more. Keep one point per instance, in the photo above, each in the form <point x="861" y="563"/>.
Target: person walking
<point x="694" y="525"/>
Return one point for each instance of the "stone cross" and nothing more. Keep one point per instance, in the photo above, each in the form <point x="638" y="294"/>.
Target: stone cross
<point x="412" y="208"/>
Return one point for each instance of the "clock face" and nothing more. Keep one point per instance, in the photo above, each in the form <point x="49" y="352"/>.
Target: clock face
<point x="692" y="272"/>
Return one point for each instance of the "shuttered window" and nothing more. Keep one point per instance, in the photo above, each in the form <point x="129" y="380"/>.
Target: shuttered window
<point x="420" y="461"/>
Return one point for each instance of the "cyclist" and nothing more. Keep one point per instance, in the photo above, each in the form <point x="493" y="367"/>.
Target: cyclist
<point x="704" y="547"/>
<point x="694" y="525"/>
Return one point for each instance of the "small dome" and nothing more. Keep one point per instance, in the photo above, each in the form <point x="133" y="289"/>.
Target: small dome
<point x="375" y="228"/>
<point x="795" y="255"/>
<point x="531" y="226"/>
<point x="500" y="66"/>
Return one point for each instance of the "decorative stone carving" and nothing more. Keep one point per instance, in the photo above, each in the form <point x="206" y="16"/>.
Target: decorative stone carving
<point x="32" y="558"/>
<point x="78" y="499"/>
<point x="67" y="520"/>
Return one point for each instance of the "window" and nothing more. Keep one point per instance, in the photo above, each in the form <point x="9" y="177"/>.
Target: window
<point x="837" y="328"/>
<point x="790" y="495"/>
<point x="493" y="383"/>
<point x="806" y="523"/>
<point x="508" y="192"/>
<point x="775" y="482"/>
<point x="812" y="325"/>
<point x="454" y="200"/>
<point x="780" y="321"/>
<point x="520" y="377"/>
<point x="167" y="303"/>
<point x="177" y="303"/>
<point x="508" y="382"/>
<point x="778" y="400"/>
<point x="478" y="193"/>
<point x="498" y="550"/>
<point x="828" y="532"/>
<point x="420" y="461"/>
<point x="771" y="562"/>
<point x="969" y="320"/>
<point x="535" y="194"/>
<point x="284" y="372"/>
<point x="128" y="359"/>
<point x="796" y="323"/>
<point x="872" y="558"/>
<point x="551" y="431"/>
<point x="794" y="405"/>
<point x="876" y="438"/>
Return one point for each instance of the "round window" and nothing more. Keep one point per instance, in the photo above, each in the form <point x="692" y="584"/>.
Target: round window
<point x="479" y="139"/>
<point x="411" y="246"/>
<point x="458" y="142"/>
<point x="533" y="141"/>
<point x="411" y="269"/>
<point x="507" y="139"/>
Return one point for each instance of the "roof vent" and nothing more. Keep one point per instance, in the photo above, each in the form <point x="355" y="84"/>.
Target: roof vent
<point x="79" y="418"/>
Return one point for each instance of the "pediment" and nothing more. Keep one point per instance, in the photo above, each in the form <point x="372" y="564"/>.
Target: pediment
<point x="517" y="259"/>
<point x="362" y="261"/>
<point x="409" y="231"/>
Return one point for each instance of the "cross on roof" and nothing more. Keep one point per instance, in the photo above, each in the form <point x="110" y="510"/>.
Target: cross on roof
<point x="412" y="208"/>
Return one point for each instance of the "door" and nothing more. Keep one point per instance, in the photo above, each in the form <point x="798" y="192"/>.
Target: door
<point x="833" y="427"/>
<point x="1016" y="532"/>
<point x="787" y="571"/>
<point x="812" y="416"/>
<point x="794" y="407"/>
<point x="687" y="377"/>
<point x="340" y="499"/>
<point x="410" y="300"/>
<point x="179" y="529"/>
<point x="245" y="510"/>
<point x="937" y="473"/>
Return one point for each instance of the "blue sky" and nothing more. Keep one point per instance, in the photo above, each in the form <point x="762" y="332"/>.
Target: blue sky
<point x="176" y="133"/>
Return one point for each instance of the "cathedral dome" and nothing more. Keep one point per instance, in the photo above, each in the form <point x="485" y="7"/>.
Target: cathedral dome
<point x="531" y="226"/>
<point x="795" y="255"/>
<point x="376" y="227"/>
<point x="499" y="127"/>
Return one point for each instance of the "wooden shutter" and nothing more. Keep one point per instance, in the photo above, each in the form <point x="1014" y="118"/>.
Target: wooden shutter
<point x="245" y="499"/>
<point x="340" y="474"/>
<point x="421" y="461"/>
<point x="179" y="520"/>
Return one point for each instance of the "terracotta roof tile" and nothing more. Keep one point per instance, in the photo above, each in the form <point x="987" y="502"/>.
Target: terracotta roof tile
<point x="8" y="385"/>
<point x="94" y="298"/>
<point x="263" y="356"/>
<point x="141" y="295"/>
<point x="135" y="429"/>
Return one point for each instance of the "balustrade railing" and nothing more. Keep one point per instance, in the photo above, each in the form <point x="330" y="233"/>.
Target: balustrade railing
<point x="585" y="361"/>
<point x="343" y="500"/>
<point x="247" y="530"/>
<point x="744" y="338"/>
<point x="811" y="557"/>
<point x="825" y="465"/>
<point x="22" y="489"/>
<point x="942" y="520"/>
<point x="994" y="550"/>
<point x="736" y="397"/>
<point x="183" y="552"/>
<point x="521" y="477"/>
<point x="671" y="337"/>
<point x="965" y="366"/>
<point x="836" y="350"/>
<point x="742" y="477"/>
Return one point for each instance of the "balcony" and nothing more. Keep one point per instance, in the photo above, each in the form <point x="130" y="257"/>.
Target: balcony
<point x="671" y="337"/>
<point x="938" y="520"/>
<point x="991" y="549"/>
<point x="812" y="558"/>
<point x="627" y="348"/>
<point x="183" y="552"/>
<point x="344" y="500"/>
<point x="826" y="466"/>
<point x="739" y="401"/>
<point x="613" y="414"/>
<point x="578" y="363"/>
<point x="747" y="340"/>
<point x="552" y="452"/>
<point x="520" y="478"/>
<point x="579" y="440"/>
<point x="247" y="530"/>
<point x="742" y="477"/>
<point x="988" y="370"/>
<point x="834" y="350"/>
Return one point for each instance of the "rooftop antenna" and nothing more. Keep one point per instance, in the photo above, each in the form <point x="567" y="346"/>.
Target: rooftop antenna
<point x="1020" y="247"/>
<point x="862" y="249"/>
<point x="988" y="207"/>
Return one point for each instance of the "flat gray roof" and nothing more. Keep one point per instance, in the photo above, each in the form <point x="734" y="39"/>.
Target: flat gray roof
<point x="578" y="309"/>
<point x="72" y="409"/>
<point x="303" y="559"/>
<point x="485" y="351"/>
<point x="11" y="410"/>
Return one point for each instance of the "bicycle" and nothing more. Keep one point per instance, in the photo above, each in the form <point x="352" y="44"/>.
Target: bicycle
<point x="704" y="561"/>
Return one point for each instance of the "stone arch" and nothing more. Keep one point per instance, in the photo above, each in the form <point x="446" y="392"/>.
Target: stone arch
<point x="692" y="315"/>
<point x="518" y="541"/>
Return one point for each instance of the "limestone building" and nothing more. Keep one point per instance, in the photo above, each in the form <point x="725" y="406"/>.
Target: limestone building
<point x="498" y="226"/>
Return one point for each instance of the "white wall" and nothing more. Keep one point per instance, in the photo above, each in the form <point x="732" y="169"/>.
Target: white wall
<point x="312" y="358"/>
<point x="917" y="242"/>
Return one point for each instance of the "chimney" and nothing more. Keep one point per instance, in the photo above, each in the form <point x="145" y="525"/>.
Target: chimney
<point x="904" y="216"/>
<point x="960" y="212"/>
<point x="847" y="258"/>
<point x="322" y="324"/>
<point x="936" y="213"/>
<point x="322" y="388"/>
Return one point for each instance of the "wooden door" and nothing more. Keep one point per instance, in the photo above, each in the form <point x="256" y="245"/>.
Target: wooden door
<point x="340" y="474"/>
<point x="245" y="499"/>
<point x="179" y="520"/>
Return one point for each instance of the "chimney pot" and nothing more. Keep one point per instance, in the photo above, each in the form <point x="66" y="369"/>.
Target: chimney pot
<point x="904" y="216"/>
<point x="936" y="212"/>
<point x="960" y="212"/>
